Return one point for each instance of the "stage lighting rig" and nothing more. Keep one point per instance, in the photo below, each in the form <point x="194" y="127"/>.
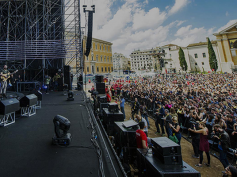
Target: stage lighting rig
<point x="61" y="127"/>
<point x="70" y="96"/>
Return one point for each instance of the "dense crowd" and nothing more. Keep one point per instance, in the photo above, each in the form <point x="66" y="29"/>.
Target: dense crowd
<point x="206" y="105"/>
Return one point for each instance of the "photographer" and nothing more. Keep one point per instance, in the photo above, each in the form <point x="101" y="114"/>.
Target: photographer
<point x="230" y="171"/>
<point x="223" y="145"/>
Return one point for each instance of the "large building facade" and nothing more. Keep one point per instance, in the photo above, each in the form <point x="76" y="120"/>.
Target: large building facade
<point x="99" y="60"/>
<point x="120" y="62"/>
<point x="227" y="45"/>
<point x="142" y="59"/>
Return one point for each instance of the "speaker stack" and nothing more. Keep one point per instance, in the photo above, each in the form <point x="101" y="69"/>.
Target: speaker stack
<point x="164" y="159"/>
<point x="99" y="84"/>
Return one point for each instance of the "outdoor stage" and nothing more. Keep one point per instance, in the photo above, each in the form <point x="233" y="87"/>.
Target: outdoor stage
<point x="26" y="146"/>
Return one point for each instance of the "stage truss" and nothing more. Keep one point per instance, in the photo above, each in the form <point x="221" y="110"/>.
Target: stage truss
<point x="40" y="35"/>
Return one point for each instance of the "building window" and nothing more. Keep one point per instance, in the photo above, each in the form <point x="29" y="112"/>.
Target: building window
<point x="87" y="58"/>
<point x="170" y="55"/>
<point x="96" y="57"/>
<point x="100" y="47"/>
<point x="196" y="55"/>
<point x="103" y="47"/>
<point x="102" y="70"/>
<point x="101" y="58"/>
<point x="111" y="68"/>
<point x="87" y="69"/>
<point x="98" y="70"/>
<point x="108" y="59"/>
<point x="96" y="46"/>
<point x="111" y="59"/>
<point x="204" y="55"/>
<point x="105" y="69"/>
<point x="196" y="64"/>
<point x="105" y="59"/>
<point x="92" y="58"/>
<point x="202" y="63"/>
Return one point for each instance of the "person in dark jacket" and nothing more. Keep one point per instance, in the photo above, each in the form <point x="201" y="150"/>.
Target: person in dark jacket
<point x="135" y="108"/>
<point x="160" y="114"/>
<point x="223" y="145"/>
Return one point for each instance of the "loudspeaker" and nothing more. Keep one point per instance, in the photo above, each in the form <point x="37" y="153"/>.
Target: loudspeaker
<point x="9" y="106"/>
<point x="28" y="100"/>
<point x="148" y="165"/>
<point x="165" y="146"/>
<point x="100" y="88"/>
<point x="110" y="118"/>
<point x="113" y="108"/>
<point x="89" y="34"/>
<point x="67" y="76"/>
<point x="125" y="137"/>
<point x="168" y="160"/>
<point x="99" y="78"/>
<point x="39" y="95"/>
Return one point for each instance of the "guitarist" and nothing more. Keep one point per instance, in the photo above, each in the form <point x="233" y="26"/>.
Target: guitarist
<point x="3" y="88"/>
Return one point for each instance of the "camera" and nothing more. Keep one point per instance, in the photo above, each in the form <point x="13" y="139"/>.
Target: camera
<point x="233" y="150"/>
<point x="214" y="134"/>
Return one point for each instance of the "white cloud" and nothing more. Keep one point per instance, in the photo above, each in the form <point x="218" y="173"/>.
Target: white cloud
<point x="179" y="4"/>
<point x="227" y="14"/>
<point x="180" y="23"/>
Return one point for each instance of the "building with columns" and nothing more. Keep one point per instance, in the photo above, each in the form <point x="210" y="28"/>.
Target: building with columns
<point x="227" y="45"/>
<point x="99" y="60"/>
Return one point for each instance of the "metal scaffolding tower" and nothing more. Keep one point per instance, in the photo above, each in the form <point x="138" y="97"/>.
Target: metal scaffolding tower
<point x="39" y="36"/>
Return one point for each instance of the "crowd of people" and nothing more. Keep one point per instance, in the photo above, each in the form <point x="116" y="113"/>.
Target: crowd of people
<point x="203" y="104"/>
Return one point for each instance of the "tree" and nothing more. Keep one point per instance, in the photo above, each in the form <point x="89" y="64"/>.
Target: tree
<point x="155" y="66"/>
<point x="182" y="61"/>
<point x="212" y="56"/>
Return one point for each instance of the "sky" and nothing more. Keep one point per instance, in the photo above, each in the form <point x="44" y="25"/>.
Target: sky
<point x="146" y="24"/>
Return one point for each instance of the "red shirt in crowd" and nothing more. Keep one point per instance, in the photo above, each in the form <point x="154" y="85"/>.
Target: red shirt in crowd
<point x="140" y="135"/>
<point x="108" y="97"/>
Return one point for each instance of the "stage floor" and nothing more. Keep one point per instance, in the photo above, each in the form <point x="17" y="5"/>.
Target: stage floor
<point x="26" y="146"/>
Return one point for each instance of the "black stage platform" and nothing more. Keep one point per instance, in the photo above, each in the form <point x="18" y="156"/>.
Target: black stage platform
<point x="26" y="146"/>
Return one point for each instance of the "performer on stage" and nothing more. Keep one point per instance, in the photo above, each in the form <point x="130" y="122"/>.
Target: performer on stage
<point x="3" y="88"/>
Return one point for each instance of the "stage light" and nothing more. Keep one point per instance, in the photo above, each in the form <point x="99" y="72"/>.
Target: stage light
<point x="61" y="127"/>
<point x="70" y="96"/>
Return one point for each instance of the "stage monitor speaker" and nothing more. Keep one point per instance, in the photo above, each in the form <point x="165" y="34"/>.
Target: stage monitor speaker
<point x="111" y="118"/>
<point x="39" y="95"/>
<point x="67" y="76"/>
<point x="168" y="160"/>
<point x="113" y="108"/>
<point x="99" y="78"/>
<point x="89" y="34"/>
<point x="165" y="146"/>
<point x="100" y="88"/>
<point x="28" y="100"/>
<point x="9" y="106"/>
<point x="148" y="165"/>
<point x="125" y="137"/>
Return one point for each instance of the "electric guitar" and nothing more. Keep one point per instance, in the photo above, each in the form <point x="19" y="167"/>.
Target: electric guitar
<point x="4" y="77"/>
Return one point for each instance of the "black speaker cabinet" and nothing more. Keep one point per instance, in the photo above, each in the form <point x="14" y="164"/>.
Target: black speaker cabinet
<point x="113" y="108"/>
<point x="165" y="146"/>
<point x="28" y="100"/>
<point x="67" y="76"/>
<point x="148" y="165"/>
<point x="100" y="88"/>
<point x="99" y="78"/>
<point x="9" y="106"/>
<point x="39" y="95"/>
<point x="125" y="137"/>
<point x="111" y="117"/>
<point x="168" y="160"/>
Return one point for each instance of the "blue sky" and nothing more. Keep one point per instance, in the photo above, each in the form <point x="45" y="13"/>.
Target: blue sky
<point x="143" y="24"/>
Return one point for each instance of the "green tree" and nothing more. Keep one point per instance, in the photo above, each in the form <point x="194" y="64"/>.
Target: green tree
<point x="212" y="56"/>
<point x="155" y="66"/>
<point x="182" y="61"/>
